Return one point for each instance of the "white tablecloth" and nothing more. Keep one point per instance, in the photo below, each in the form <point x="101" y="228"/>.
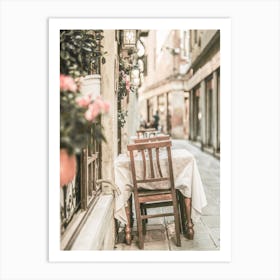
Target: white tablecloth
<point x="186" y="176"/>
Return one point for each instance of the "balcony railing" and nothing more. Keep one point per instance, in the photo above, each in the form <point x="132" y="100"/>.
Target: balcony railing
<point x="70" y="202"/>
<point x="82" y="191"/>
<point x="89" y="175"/>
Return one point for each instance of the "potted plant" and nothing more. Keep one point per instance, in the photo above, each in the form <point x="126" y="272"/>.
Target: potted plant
<point x="80" y="103"/>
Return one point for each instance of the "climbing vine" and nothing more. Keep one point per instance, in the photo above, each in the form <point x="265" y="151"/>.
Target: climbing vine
<point x="124" y="88"/>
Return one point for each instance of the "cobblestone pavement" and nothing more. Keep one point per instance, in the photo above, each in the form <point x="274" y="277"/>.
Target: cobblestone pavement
<point x="160" y="231"/>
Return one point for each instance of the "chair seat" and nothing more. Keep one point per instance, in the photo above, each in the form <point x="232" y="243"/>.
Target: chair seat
<point x="154" y="195"/>
<point x="144" y="192"/>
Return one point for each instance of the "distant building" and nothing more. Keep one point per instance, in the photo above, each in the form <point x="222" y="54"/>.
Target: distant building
<point x="203" y="85"/>
<point x="182" y="82"/>
<point x="163" y="86"/>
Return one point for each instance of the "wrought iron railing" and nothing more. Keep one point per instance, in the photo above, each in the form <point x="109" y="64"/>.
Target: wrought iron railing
<point x="81" y="192"/>
<point x="90" y="173"/>
<point x="70" y="199"/>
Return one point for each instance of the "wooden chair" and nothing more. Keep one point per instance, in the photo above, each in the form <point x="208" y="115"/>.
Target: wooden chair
<point x="145" y="133"/>
<point x="156" y="197"/>
<point x="147" y="140"/>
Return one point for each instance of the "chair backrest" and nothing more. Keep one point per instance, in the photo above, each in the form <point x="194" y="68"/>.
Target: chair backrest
<point x="144" y="133"/>
<point x="150" y="159"/>
<point x="152" y="139"/>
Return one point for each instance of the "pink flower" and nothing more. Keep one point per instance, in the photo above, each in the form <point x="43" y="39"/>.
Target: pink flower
<point x="99" y="102"/>
<point x="95" y="109"/>
<point x="83" y="101"/>
<point x="99" y="106"/>
<point x="127" y="85"/>
<point x="67" y="83"/>
<point x="103" y="105"/>
<point x="88" y="115"/>
<point x="92" y="112"/>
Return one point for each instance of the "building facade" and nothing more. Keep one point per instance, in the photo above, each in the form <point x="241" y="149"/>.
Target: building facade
<point x="202" y="82"/>
<point x="87" y="206"/>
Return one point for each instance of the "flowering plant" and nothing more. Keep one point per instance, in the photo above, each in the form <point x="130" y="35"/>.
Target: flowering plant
<point x="80" y="54"/>
<point x="79" y="116"/>
<point x="124" y="88"/>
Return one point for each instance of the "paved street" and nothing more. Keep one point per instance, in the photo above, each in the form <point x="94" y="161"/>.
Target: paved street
<point x="160" y="231"/>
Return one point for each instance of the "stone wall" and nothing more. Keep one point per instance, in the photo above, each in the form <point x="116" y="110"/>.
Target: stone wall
<point x="109" y="72"/>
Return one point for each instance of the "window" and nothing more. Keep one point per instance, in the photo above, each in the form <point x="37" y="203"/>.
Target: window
<point x="185" y="43"/>
<point x="195" y="36"/>
<point x="145" y="60"/>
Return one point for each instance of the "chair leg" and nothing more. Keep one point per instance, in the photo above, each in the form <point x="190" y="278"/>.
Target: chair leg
<point x="144" y="227"/>
<point x="140" y="234"/>
<point x="181" y="204"/>
<point x="177" y="229"/>
<point x="143" y="212"/>
<point x="189" y="223"/>
<point x="117" y="226"/>
<point x="139" y="222"/>
<point x="131" y="212"/>
<point x="176" y="219"/>
<point x="128" y="226"/>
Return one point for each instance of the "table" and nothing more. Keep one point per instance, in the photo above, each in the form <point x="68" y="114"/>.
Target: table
<point x="186" y="176"/>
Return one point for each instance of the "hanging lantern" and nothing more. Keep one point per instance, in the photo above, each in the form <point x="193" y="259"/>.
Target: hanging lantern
<point x="129" y="38"/>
